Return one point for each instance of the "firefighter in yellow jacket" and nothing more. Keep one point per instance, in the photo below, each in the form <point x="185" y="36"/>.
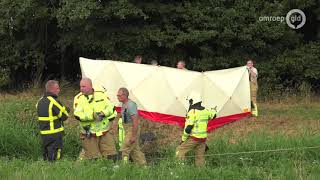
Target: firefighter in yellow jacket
<point x="51" y="114"/>
<point x="95" y="112"/>
<point x="195" y="130"/>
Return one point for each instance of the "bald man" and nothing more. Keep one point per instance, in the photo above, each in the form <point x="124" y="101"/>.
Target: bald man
<point x="51" y="114"/>
<point x="95" y="112"/>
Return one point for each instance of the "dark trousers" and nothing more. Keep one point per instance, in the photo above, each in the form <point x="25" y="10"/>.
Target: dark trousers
<point x="52" y="146"/>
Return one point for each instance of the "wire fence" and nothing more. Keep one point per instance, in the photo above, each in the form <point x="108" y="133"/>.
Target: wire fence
<point x="253" y="152"/>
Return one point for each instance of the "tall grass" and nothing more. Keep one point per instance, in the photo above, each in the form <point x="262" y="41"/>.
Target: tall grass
<point x="19" y="133"/>
<point x="289" y="165"/>
<point x="20" y="150"/>
<point x="301" y="93"/>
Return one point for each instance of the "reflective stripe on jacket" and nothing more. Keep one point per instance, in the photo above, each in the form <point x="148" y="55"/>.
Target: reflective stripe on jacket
<point x="86" y="105"/>
<point x="199" y="120"/>
<point x="51" y="114"/>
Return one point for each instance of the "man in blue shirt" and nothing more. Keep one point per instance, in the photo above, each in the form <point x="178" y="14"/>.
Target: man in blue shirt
<point x="129" y="114"/>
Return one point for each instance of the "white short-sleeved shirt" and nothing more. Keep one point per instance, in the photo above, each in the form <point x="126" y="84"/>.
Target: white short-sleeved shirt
<point x="251" y="76"/>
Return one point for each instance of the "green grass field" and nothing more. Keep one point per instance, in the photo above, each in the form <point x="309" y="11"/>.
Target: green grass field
<point x="281" y="125"/>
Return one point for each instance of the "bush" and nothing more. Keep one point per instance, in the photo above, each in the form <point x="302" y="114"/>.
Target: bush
<point x="294" y="72"/>
<point x="4" y="76"/>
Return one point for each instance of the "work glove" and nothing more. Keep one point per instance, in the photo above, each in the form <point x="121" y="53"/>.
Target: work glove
<point x="88" y="133"/>
<point x="98" y="116"/>
<point x="67" y="109"/>
<point x="215" y="108"/>
<point x="77" y="118"/>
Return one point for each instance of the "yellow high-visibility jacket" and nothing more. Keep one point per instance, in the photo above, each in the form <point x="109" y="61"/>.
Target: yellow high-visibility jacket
<point x="85" y="106"/>
<point x="199" y="120"/>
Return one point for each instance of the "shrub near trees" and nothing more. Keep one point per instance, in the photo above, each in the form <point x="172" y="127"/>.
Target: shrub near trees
<point x="43" y="39"/>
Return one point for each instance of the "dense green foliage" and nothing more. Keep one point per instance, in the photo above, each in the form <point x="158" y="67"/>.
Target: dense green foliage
<point x="43" y="39"/>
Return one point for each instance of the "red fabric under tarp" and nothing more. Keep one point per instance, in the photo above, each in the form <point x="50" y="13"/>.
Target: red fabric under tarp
<point x="178" y="120"/>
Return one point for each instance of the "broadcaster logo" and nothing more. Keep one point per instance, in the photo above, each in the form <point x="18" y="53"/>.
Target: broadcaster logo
<point x="295" y="18"/>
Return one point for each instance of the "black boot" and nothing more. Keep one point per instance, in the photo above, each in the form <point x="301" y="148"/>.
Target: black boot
<point x="114" y="158"/>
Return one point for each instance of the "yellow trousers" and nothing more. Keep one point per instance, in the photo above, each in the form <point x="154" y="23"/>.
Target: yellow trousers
<point x="253" y="93"/>
<point x="95" y="147"/>
<point x="131" y="150"/>
<point x="188" y="145"/>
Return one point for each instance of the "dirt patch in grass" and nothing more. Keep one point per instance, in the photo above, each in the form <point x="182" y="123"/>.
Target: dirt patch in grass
<point x="269" y="125"/>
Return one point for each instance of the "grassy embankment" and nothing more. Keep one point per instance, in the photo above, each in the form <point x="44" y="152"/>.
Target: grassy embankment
<point x="280" y="125"/>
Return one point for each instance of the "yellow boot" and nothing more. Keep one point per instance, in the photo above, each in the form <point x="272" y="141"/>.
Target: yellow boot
<point x="254" y="111"/>
<point x="125" y="160"/>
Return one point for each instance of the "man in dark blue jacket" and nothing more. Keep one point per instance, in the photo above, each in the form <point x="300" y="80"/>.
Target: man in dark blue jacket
<point x="51" y="114"/>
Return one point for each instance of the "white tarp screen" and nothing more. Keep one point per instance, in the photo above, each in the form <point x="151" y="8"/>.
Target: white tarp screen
<point x="164" y="90"/>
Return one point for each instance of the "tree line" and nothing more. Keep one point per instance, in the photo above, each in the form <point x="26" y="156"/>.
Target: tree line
<point x="42" y="40"/>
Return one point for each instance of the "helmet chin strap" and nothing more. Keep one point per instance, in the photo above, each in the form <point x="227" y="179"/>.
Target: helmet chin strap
<point x="190" y="104"/>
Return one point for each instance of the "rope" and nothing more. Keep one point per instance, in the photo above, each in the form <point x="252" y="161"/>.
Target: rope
<point x="253" y="152"/>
